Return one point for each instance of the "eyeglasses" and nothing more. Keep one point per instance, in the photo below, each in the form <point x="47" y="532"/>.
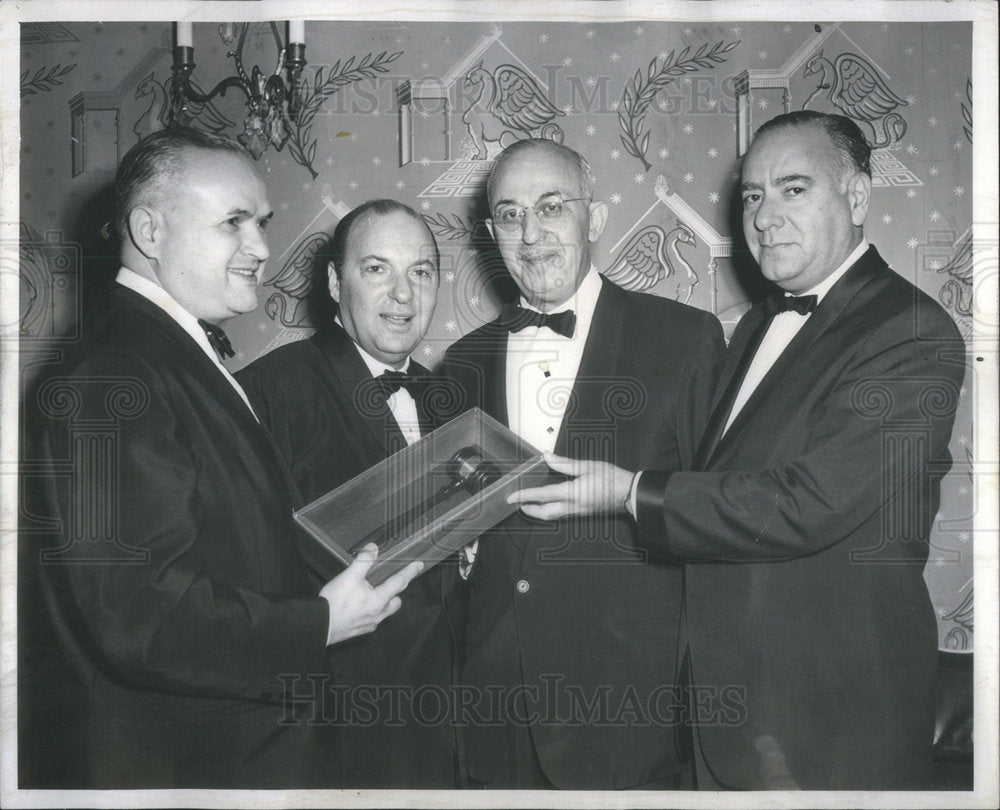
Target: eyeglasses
<point x="548" y="210"/>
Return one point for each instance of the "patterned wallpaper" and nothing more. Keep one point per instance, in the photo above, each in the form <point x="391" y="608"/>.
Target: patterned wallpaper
<point x="418" y="110"/>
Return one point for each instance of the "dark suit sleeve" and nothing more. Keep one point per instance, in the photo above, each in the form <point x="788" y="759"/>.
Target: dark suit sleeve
<point x="838" y="481"/>
<point x="163" y="623"/>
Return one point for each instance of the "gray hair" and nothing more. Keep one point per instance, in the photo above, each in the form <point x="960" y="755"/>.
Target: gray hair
<point x="150" y="168"/>
<point x="585" y="175"/>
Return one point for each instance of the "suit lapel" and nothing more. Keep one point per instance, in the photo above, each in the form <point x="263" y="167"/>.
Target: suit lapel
<point x="745" y="340"/>
<point x="601" y="356"/>
<point x="200" y="366"/>
<point x="586" y="405"/>
<point x="356" y="381"/>
<point x="494" y="365"/>
<point x="425" y="419"/>
<point x="437" y="578"/>
<point x="489" y="354"/>
<point x="747" y="326"/>
<point x="833" y="304"/>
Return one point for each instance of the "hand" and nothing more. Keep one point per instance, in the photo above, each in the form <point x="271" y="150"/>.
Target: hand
<point x="595" y="487"/>
<point x="356" y="607"/>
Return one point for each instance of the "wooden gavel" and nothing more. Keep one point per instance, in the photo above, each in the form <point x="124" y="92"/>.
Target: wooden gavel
<point x="468" y="469"/>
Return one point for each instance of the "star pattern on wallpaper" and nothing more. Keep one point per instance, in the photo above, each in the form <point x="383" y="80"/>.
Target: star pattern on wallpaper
<point x="405" y="134"/>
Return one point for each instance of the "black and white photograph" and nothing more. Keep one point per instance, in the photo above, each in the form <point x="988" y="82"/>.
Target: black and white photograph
<point x="534" y="404"/>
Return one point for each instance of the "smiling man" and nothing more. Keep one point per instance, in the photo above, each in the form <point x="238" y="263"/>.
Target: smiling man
<point x="173" y="581"/>
<point x="337" y="404"/>
<point x="804" y="526"/>
<point x="571" y="636"/>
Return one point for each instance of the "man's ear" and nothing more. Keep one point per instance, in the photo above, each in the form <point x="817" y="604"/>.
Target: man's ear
<point x="859" y="193"/>
<point x="489" y="227"/>
<point x="331" y="272"/>
<point x="145" y="229"/>
<point x="598" y="219"/>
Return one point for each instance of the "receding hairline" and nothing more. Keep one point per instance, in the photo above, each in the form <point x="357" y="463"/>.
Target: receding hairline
<point x="166" y="185"/>
<point x="149" y="170"/>
<point x="371" y="216"/>
<point x="186" y="154"/>
<point x="578" y="165"/>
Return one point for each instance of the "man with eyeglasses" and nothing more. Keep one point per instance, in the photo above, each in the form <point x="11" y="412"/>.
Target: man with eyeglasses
<point x="570" y="653"/>
<point x="804" y="525"/>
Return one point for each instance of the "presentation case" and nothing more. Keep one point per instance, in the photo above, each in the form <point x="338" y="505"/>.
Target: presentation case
<point x="424" y="502"/>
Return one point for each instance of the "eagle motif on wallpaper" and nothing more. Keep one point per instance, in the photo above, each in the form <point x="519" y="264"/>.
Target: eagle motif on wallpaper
<point x="652" y="255"/>
<point x="295" y="283"/>
<point x="956" y="292"/>
<point x="509" y="107"/>
<point x="859" y="92"/>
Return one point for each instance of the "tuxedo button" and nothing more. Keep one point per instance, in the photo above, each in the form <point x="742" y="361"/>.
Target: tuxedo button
<point x="523" y="586"/>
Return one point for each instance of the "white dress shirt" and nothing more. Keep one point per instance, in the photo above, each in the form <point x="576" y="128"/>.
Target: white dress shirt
<point x="783" y="329"/>
<point x="541" y="370"/>
<point x="155" y="294"/>
<point x="401" y="403"/>
<point x="536" y="400"/>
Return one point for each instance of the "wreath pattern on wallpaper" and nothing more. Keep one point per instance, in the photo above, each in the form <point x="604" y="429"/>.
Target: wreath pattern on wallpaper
<point x="455" y="229"/>
<point x="642" y="89"/>
<point x="296" y="133"/>
<point x="967" y="110"/>
<point x="301" y="143"/>
<point x="45" y="79"/>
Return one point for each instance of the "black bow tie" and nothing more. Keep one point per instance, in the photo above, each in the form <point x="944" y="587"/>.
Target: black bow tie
<point x="515" y="318"/>
<point x="803" y="304"/>
<point x="391" y="381"/>
<point x="217" y="338"/>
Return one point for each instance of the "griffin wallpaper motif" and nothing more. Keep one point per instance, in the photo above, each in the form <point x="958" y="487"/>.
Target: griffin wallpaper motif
<point x="418" y="111"/>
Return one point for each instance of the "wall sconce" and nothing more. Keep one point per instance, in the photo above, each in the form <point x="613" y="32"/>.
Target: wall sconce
<point x="271" y="106"/>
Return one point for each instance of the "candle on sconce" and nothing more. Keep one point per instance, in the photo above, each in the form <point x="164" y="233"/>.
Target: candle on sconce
<point x="296" y="31"/>
<point x="183" y="35"/>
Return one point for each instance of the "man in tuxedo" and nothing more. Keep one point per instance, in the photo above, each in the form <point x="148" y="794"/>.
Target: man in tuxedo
<point x="175" y="586"/>
<point x="571" y="635"/>
<point x="804" y="525"/>
<point x="337" y="404"/>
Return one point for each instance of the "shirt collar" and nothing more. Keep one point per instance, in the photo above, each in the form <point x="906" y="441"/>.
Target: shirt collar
<point x="376" y="367"/>
<point x="820" y="290"/>
<point x="155" y="294"/>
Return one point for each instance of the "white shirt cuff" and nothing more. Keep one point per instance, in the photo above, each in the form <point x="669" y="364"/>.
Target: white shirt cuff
<point x="633" y="495"/>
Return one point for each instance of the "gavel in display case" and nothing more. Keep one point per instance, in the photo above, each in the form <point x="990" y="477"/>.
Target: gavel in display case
<point x="468" y="469"/>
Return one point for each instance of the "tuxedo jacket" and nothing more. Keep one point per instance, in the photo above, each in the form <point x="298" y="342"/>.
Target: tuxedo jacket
<point x="812" y="637"/>
<point x="174" y="584"/>
<point x="572" y="616"/>
<point x="316" y="398"/>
